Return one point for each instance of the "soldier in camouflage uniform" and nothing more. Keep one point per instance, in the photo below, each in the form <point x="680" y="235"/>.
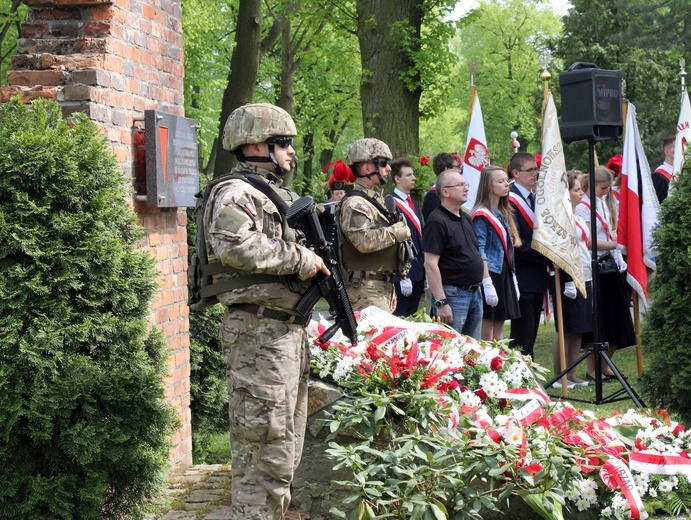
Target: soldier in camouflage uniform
<point x="264" y="341"/>
<point x="369" y="243"/>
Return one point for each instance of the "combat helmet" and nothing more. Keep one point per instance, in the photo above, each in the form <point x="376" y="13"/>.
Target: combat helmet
<point x="256" y="123"/>
<point x="368" y="149"/>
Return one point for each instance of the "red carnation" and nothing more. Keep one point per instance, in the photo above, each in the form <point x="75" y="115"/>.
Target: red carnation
<point x="503" y="403"/>
<point x="448" y="387"/>
<point x="424" y="160"/>
<point x="678" y="429"/>
<point x="481" y="394"/>
<point x="373" y="352"/>
<point x="496" y="363"/>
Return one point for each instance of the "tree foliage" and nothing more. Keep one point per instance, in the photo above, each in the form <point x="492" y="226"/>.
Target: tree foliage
<point x="502" y="40"/>
<point x="667" y="331"/>
<point x="84" y="428"/>
<point x="628" y="35"/>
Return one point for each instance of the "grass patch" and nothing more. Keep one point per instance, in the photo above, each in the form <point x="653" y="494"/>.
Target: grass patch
<point x="625" y="360"/>
<point x="211" y="448"/>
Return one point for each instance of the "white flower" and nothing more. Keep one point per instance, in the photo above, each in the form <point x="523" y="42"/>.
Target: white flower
<point x="665" y="486"/>
<point x="513" y="432"/>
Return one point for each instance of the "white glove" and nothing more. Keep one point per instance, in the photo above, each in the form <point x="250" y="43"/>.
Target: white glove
<point x="620" y="263"/>
<point x="491" y="297"/>
<point x="406" y="286"/>
<point x="515" y="284"/>
<point x="570" y="290"/>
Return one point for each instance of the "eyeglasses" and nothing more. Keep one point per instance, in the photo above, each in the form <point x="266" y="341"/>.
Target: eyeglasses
<point x="530" y="170"/>
<point x="283" y="142"/>
<point x="459" y="185"/>
<point x="380" y="163"/>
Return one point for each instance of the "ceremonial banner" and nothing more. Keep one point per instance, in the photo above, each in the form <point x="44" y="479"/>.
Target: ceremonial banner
<point x="638" y="209"/>
<point x="476" y="156"/>
<point x="683" y="133"/>
<point x="554" y="233"/>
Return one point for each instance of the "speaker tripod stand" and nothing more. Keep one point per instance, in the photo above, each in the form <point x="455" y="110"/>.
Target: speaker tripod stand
<point x="598" y="349"/>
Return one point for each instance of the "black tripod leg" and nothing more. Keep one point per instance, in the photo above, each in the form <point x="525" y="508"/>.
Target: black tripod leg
<point x="566" y="370"/>
<point x="624" y="383"/>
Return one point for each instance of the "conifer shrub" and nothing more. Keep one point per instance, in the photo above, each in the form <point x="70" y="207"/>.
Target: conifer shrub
<point x="667" y="328"/>
<point x="208" y="386"/>
<point x="84" y="425"/>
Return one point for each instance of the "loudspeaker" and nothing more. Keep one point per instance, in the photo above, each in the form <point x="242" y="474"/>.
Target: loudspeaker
<point x="590" y="103"/>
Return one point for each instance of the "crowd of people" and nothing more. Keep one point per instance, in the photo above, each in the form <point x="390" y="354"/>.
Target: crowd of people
<point x="478" y="267"/>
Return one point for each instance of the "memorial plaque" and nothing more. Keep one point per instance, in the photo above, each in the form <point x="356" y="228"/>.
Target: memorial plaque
<point x="172" y="160"/>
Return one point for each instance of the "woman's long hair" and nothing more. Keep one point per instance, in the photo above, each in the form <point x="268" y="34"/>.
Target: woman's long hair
<point x="603" y="174"/>
<point x="484" y="198"/>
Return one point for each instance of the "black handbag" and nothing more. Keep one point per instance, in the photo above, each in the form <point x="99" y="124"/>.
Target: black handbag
<point x="606" y="264"/>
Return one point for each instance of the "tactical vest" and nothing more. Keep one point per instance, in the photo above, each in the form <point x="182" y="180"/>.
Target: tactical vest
<point x="382" y="261"/>
<point x="203" y="289"/>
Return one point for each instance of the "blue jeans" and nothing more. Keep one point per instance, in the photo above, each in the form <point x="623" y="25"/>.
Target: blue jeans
<point x="467" y="310"/>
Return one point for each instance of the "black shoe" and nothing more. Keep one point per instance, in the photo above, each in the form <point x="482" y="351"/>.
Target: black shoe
<point x="605" y="379"/>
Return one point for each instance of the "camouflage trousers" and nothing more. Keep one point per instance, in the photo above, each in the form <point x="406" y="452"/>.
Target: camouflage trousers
<point x="372" y="292"/>
<point x="268" y="369"/>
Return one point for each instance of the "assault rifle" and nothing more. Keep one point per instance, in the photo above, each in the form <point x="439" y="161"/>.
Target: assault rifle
<point x="302" y="216"/>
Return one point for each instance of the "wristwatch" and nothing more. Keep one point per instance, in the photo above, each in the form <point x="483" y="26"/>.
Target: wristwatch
<point x="440" y="303"/>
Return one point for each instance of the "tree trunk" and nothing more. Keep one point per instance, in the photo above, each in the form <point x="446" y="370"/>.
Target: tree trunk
<point x="307" y="162"/>
<point x="390" y="110"/>
<point x="244" y="68"/>
<point x="288" y="67"/>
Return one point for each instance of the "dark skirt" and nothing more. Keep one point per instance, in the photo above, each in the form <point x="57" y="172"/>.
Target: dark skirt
<point x="508" y="308"/>
<point x="614" y="304"/>
<point x="578" y="313"/>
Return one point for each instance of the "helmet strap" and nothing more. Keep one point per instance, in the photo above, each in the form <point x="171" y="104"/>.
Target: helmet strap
<point x="382" y="180"/>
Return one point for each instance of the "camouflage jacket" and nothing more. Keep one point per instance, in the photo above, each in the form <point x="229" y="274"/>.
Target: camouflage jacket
<point x="362" y="224"/>
<point x="244" y="232"/>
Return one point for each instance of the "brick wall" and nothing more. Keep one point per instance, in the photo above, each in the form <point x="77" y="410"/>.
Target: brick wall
<point x="113" y="60"/>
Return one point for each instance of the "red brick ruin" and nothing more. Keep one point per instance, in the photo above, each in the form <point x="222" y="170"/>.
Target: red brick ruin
<point x="113" y="60"/>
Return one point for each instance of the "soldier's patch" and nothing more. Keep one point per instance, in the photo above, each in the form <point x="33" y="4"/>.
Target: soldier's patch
<point x="230" y="219"/>
<point x="364" y="208"/>
<point x="250" y="209"/>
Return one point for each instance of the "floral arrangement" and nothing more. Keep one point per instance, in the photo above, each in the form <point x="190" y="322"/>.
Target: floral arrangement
<point x="448" y="426"/>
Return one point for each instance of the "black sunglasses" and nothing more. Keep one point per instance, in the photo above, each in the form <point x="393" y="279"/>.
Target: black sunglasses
<point x="283" y="142"/>
<point x="380" y="163"/>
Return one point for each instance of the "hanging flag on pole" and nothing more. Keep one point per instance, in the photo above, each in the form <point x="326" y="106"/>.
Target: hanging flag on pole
<point x="554" y="234"/>
<point x="476" y="155"/>
<point x="638" y="209"/>
<point x="682" y="133"/>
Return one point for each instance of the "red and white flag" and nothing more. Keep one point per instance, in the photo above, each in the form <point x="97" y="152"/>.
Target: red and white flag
<point x="638" y="209"/>
<point x="476" y="155"/>
<point x="554" y="232"/>
<point x="683" y="133"/>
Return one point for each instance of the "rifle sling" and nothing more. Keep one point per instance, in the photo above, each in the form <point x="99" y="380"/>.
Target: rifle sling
<point x="221" y="286"/>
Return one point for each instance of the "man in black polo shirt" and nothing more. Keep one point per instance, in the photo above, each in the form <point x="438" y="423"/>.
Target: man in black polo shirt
<point x="452" y="258"/>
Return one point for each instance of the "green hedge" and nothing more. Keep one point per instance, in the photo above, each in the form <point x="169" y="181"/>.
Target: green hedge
<point x="84" y="426"/>
<point x="667" y="332"/>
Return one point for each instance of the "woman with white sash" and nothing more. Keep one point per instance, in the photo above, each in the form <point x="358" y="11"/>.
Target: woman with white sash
<point x="615" y="322"/>
<point x="496" y="235"/>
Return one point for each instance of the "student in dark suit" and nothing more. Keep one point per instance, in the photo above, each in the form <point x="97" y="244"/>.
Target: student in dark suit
<point x="409" y="290"/>
<point x="531" y="266"/>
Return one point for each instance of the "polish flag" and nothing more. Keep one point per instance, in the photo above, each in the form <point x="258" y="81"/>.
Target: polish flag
<point x="476" y="154"/>
<point x="683" y="133"/>
<point x="638" y="209"/>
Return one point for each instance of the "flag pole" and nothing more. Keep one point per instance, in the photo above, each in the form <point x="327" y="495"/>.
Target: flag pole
<point x="472" y="66"/>
<point x="545" y="59"/>
<point x="634" y="294"/>
<point x="682" y="74"/>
